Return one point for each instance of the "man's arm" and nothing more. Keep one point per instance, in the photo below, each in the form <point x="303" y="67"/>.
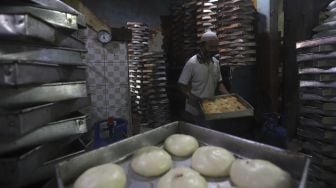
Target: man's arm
<point x="222" y="89"/>
<point x="187" y="93"/>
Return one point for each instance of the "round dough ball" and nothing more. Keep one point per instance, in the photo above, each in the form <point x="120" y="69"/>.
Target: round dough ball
<point x="181" y="145"/>
<point x="212" y="161"/>
<point x="258" y="174"/>
<point x="103" y="176"/>
<point x="151" y="161"/>
<point x="182" y="178"/>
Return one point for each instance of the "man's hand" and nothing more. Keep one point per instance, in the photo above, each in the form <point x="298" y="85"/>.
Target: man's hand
<point x="222" y="89"/>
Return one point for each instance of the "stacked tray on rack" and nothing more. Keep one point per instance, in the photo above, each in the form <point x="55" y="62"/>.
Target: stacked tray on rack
<point x="206" y="17"/>
<point x="328" y="26"/>
<point x="189" y="29"/>
<point x="42" y="87"/>
<point x="136" y="48"/>
<point x="154" y="89"/>
<point x="235" y="30"/>
<point x="318" y="106"/>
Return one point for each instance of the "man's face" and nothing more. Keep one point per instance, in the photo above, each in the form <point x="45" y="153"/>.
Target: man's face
<point x="211" y="47"/>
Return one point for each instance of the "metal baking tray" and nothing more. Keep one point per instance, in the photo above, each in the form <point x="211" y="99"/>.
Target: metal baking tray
<point x="11" y="97"/>
<point x="318" y="64"/>
<point x="52" y="131"/>
<point x="58" y="5"/>
<point x="310" y="97"/>
<point x="15" y="74"/>
<point x="244" y="113"/>
<point x="16" y="51"/>
<point x="318" y="132"/>
<point x="58" y="19"/>
<point x="326" y="106"/>
<point x="15" y="123"/>
<point x="315" y="110"/>
<point x="37" y="163"/>
<point x="326" y="149"/>
<point x="319" y="77"/>
<point x="24" y="27"/>
<point x="323" y="161"/>
<point x="307" y="121"/>
<point x="324" y="92"/>
<point x="296" y="164"/>
<point x="315" y="56"/>
<point x="323" y="174"/>
<point x="325" y="120"/>
<point x="316" y="71"/>
<point x="310" y="134"/>
<point x="318" y="84"/>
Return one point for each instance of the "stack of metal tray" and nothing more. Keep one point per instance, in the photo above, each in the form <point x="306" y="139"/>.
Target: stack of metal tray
<point x="137" y="46"/>
<point x="206" y="17"/>
<point x="317" y="88"/>
<point x="189" y="28"/>
<point x="236" y="33"/>
<point x="154" y="88"/>
<point x="42" y="87"/>
<point x="296" y="164"/>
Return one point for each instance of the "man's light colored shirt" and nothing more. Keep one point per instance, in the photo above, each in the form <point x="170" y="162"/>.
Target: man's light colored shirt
<point x="203" y="77"/>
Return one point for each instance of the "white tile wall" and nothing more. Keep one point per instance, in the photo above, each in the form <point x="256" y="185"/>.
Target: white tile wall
<point x="107" y="78"/>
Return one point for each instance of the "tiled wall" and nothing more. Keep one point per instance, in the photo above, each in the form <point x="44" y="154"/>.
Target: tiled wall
<point x="107" y="78"/>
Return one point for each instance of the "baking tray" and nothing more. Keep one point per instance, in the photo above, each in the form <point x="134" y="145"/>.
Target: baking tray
<point x="33" y="95"/>
<point x="327" y="106"/>
<point x="238" y="114"/>
<point x="313" y="97"/>
<point x="318" y="84"/>
<point x="319" y="77"/>
<point x="66" y="21"/>
<point x="323" y="174"/>
<point x="319" y="133"/>
<point x="17" y="51"/>
<point x="16" y="74"/>
<point x="323" y="161"/>
<point x="324" y="92"/>
<point x="315" y="42"/>
<point x="307" y="121"/>
<point x="15" y="123"/>
<point x="62" y="7"/>
<point x="52" y="131"/>
<point x="315" y="56"/>
<point x="315" y="110"/>
<point x="326" y="149"/>
<point x="318" y="64"/>
<point x="295" y="163"/>
<point x="37" y="163"/>
<point x="24" y="27"/>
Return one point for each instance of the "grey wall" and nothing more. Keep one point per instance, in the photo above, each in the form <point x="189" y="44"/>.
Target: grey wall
<point x="117" y="12"/>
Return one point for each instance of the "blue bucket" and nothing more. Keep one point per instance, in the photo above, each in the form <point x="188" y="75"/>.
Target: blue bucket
<point x="107" y="132"/>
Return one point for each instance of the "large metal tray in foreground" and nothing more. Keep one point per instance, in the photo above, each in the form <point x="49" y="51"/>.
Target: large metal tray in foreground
<point x="296" y="164"/>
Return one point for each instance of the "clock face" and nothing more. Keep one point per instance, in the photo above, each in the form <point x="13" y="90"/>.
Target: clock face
<point x="104" y="36"/>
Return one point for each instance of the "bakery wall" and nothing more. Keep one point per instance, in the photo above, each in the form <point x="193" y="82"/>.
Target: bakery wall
<point x="117" y="13"/>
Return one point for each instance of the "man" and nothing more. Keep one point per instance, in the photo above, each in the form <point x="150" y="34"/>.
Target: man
<point x="201" y="77"/>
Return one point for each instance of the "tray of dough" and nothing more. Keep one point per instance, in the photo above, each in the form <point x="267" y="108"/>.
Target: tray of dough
<point x="126" y="161"/>
<point x="225" y="107"/>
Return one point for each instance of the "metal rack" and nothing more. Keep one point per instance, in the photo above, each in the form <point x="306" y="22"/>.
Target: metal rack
<point x="317" y="91"/>
<point x="42" y="88"/>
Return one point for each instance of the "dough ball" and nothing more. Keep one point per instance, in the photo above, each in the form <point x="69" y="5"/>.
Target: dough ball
<point x="258" y="174"/>
<point x="103" y="176"/>
<point x="182" y="178"/>
<point x="212" y="161"/>
<point x="151" y="161"/>
<point x="181" y="145"/>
